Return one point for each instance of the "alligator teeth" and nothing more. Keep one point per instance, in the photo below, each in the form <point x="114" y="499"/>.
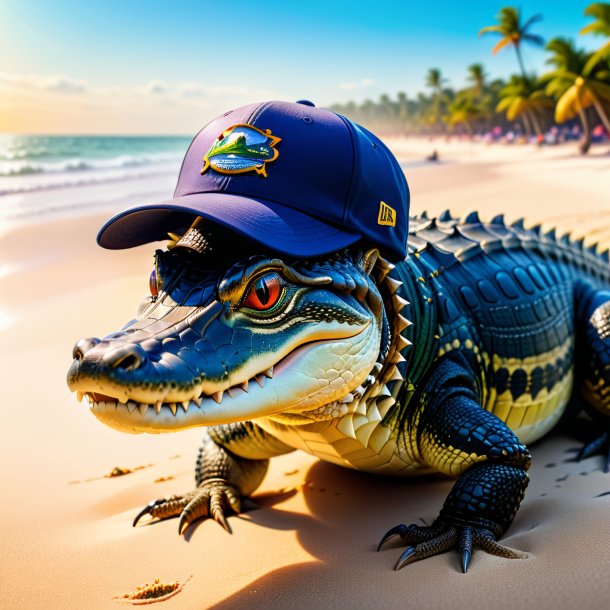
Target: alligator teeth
<point x="377" y="368"/>
<point x="197" y="401"/>
<point x="260" y="379"/>
<point x="79" y="396"/>
<point x="89" y="399"/>
<point x="217" y="397"/>
<point x="269" y="372"/>
<point x="143" y="408"/>
<point x="185" y="405"/>
<point x="131" y="406"/>
<point x="173" y="407"/>
<point x="157" y="407"/>
<point x="244" y="386"/>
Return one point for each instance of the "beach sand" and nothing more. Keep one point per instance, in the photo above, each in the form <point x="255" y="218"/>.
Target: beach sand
<point x="67" y="540"/>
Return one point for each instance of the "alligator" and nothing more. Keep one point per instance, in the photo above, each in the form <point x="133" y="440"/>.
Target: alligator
<point x="450" y="362"/>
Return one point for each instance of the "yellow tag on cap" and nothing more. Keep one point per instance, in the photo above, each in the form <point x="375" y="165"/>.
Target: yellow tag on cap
<point x="387" y="215"/>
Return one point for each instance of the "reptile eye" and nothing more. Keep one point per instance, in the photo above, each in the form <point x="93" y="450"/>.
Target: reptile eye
<point x="263" y="293"/>
<point x="152" y="282"/>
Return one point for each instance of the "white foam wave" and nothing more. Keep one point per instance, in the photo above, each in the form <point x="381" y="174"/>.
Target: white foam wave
<point x="27" y="168"/>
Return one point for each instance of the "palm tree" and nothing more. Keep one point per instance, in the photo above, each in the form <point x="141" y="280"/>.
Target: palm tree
<point x="600" y="11"/>
<point x="513" y="32"/>
<point x="477" y="76"/>
<point x="519" y="98"/>
<point x="463" y="111"/>
<point x="567" y="58"/>
<point x="577" y="82"/>
<point x="435" y="80"/>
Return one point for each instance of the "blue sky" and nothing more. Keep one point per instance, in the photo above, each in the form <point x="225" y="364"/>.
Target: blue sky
<point x="120" y="66"/>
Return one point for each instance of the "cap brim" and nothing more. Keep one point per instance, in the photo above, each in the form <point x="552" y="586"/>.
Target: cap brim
<point x="275" y="226"/>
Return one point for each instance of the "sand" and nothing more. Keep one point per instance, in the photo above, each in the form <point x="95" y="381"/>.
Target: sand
<point x="67" y="540"/>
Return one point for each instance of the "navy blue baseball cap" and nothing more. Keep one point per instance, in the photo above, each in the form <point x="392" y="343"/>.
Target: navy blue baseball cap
<point x="301" y="180"/>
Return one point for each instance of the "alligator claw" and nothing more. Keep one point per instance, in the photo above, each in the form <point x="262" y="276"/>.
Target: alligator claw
<point x="426" y="542"/>
<point x="146" y="511"/>
<point x="409" y="556"/>
<point x="466" y="556"/>
<point x="210" y="499"/>
<point x="465" y="547"/>
<point x="396" y="531"/>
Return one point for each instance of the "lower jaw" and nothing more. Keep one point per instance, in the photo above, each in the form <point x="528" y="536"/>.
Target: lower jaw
<point x="136" y="419"/>
<point x="283" y="392"/>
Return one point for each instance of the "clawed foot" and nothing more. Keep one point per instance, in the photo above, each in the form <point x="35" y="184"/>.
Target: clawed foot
<point x="429" y="541"/>
<point x="211" y="499"/>
<point x="600" y="445"/>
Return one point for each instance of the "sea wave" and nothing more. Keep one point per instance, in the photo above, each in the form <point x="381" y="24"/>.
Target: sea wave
<point x="29" y="168"/>
<point x="88" y="179"/>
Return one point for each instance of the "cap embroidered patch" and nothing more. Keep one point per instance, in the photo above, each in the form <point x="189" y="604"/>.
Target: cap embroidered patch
<point x="387" y="215"/>
<point x="242" y="148"/>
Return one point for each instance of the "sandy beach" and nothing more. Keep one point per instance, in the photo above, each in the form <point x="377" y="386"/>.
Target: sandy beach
<point x="67" y="540"/>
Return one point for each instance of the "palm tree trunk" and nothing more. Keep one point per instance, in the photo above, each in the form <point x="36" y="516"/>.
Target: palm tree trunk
<point x="585" y="141"/>
<point x="527" y="125"/>
<point x="600" y="111"/>
<point x="536" y="123"/>
<point x="520" y="59"/>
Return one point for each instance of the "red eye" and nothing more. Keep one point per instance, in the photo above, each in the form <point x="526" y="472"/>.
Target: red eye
<point x="152" y="282"/>
<point x="263" y="293"/>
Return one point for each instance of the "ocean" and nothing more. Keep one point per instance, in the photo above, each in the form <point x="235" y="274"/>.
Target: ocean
<point x="42" y="176"/>
<point x="33" y="166"/>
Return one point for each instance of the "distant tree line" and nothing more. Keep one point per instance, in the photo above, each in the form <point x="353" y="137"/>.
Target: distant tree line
<point x="576" y="88"/>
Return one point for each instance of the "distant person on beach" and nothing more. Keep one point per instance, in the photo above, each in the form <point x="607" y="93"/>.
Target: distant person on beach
<point x="433" y="156"/>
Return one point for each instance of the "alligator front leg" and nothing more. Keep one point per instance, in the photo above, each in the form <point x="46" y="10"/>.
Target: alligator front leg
<point x="231" y="464"/>
<point x="458" y="437"/>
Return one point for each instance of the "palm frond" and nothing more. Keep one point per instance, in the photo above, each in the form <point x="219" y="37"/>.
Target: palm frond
<point x="602" y="53"/>
<point x="501" y="45"/>
<point x="600" y="11"/>
<point x="503" y="104"/>
<point x="568" y="105"/>
<point x="516" y="107"/>
<point x="531" y="21"/>
<point x="534" y="39"/>
<point x="592" y="28"/>
<point x="493" y="29"/>
<point x="600" y="89"/>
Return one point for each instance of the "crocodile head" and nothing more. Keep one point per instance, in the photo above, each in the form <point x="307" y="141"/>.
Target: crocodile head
<point x="230" y="336"/>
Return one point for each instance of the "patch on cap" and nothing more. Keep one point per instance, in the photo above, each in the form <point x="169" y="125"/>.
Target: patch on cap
<point x="242" y="148"/>
<point x="387" y="215"/>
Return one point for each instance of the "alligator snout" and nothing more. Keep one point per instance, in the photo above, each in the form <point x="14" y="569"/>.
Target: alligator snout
<point x="96" y="360"/>
<point x="127" y="357"/>
<point x="82" y="346"/>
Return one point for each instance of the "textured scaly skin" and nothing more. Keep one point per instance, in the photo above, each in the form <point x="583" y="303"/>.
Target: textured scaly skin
<point x="479" y="330"/>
